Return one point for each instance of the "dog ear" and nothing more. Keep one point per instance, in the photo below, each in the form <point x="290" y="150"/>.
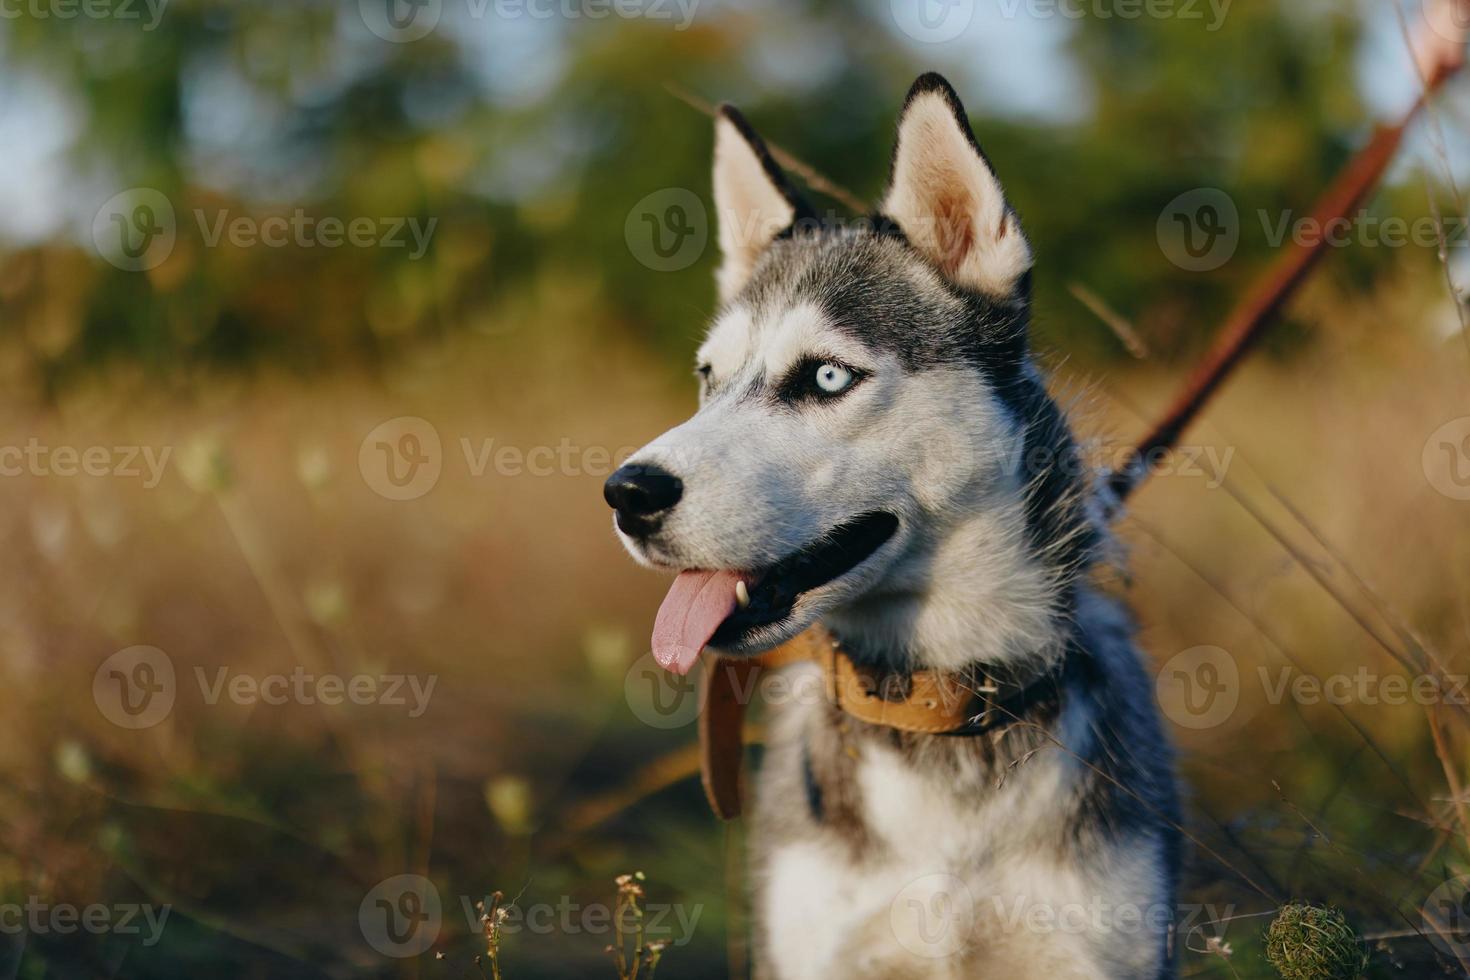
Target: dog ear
<point x="754" y="200"/>
<point x="946" y="199"/>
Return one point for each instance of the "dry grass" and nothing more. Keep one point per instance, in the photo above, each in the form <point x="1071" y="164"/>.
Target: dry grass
<point x="263" y="549"/>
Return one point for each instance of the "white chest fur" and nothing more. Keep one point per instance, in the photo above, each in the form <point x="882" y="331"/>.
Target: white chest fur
<point x="961" y="882"/>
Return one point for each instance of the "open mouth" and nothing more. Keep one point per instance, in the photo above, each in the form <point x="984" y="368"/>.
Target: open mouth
<point x="723" y="607"/>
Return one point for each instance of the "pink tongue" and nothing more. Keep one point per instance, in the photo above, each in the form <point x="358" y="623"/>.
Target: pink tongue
<point x="694" y="608"/>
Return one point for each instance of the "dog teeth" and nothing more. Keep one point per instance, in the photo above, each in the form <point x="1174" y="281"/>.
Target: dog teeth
<point x="742" y="595"/>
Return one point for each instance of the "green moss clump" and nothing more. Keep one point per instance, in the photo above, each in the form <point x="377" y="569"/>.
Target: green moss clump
<point x="1305" y="942"/>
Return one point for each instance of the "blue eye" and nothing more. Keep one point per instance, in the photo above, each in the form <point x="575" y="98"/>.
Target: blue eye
<point x="833" y="378"/>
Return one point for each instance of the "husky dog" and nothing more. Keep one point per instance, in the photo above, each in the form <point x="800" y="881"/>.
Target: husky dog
<point x="875" y="450"/>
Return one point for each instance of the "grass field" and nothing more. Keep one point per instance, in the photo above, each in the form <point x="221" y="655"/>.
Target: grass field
<point x="510" y="618"/>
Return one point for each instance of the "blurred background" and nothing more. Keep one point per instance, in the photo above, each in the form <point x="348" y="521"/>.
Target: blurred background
<point x="321" y="325"/>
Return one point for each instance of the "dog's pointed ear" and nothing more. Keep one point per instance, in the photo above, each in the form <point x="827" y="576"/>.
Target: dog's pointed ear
<point x="946" y="199"/>
<point x="754" y="200"/>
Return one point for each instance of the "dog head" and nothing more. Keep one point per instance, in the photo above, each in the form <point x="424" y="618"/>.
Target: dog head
<point x="873" y="445"/>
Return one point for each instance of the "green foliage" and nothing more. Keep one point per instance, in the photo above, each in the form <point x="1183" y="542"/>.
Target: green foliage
<point x="529" y="148"/>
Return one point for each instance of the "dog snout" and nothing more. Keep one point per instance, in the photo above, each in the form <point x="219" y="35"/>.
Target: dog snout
<point x="639" y="492"/>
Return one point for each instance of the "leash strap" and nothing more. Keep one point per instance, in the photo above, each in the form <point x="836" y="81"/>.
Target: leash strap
<point x="726" y="687"/>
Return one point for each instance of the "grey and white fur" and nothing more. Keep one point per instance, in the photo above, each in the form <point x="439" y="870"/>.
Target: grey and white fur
<point x="883" y="366"/>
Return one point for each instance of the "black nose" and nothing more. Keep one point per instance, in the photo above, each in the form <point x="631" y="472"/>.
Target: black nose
<point x="641" y="490"/>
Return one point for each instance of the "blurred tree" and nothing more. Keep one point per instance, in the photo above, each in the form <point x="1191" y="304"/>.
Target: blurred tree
<point x="530" y="144"/>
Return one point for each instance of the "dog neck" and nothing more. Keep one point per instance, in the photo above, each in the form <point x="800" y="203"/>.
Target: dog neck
<point x="979" y="598"/>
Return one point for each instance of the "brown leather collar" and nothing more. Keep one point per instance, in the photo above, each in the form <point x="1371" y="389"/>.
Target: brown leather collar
<point x="924" y="702"/>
